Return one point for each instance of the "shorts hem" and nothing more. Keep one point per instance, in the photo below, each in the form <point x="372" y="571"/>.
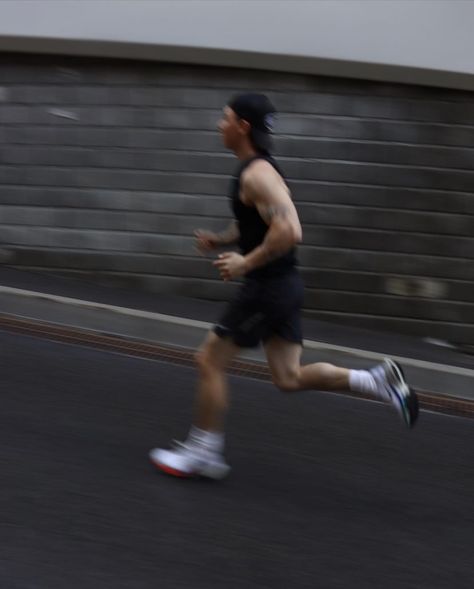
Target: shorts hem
<point x="224" y="332"/>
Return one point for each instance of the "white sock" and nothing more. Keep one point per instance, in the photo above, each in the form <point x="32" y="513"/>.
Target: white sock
<point x="210" y="440"/>
<point x="361" y="381"/>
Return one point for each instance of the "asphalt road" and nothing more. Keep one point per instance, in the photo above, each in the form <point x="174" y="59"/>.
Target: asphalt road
<point x="326" y="491"/>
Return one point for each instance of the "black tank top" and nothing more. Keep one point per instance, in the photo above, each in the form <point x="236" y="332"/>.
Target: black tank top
<point x="253" y="228"/>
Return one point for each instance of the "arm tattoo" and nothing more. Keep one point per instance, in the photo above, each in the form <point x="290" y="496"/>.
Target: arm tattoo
<point x="275" y="211"/>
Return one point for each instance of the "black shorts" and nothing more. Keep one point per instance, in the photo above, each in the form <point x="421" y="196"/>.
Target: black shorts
<point x="264" y="308"/>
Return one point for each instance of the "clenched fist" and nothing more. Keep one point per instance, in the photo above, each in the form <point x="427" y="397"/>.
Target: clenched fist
<point x="230" y="265"/>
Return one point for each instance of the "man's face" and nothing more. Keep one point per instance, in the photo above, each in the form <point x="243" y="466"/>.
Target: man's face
<point x="232" y="129"/>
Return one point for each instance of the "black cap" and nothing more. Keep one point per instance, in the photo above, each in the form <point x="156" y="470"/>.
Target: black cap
<point x="257" y="110"/>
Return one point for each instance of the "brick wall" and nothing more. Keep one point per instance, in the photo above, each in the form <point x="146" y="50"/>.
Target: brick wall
<point x="106" y="167"/>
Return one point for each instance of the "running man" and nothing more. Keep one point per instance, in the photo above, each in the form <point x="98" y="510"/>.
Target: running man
<point x="267" y="306"/>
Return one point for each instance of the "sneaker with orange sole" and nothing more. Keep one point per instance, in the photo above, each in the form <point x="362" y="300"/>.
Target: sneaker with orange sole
<point x="188" y="461"/>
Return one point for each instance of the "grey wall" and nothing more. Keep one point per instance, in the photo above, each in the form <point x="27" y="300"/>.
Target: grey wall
<point x="106" y="167"/>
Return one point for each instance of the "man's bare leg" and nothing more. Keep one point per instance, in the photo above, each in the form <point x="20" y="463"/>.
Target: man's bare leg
<point x="284" y="361"/>
<point x="212" y="400"/>
<point x="384" y="382"/>
<point x="202" y="452"/>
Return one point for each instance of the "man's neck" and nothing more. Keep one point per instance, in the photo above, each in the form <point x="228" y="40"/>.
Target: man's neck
<point x="246" y="152"/>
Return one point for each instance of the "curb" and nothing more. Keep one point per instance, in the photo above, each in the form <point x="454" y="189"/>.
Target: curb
<point x="447" y="404"/>
<point x="204" y="325"/>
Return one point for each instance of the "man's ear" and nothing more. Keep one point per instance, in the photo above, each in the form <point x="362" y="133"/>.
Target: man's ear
<point x="244" y="127"/>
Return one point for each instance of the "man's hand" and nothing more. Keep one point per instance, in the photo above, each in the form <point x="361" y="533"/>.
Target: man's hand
<point x="206" y="241"/>
<point x="230" y="265"/>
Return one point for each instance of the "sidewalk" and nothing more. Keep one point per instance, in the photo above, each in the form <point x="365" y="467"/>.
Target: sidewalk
<point x="182" y="322"/>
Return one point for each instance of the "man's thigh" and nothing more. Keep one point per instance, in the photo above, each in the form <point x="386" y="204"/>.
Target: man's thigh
<point x="219" y="351"/>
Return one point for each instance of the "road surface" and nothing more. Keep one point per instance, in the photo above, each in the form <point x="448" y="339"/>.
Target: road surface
<point x="326" y="491"/>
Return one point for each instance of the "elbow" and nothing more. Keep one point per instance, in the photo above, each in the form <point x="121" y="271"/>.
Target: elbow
<point x="293" y="236"/>
<point x="288" y="236"/>
<point x="297" y="235"/>
<point x="292" y="239"/>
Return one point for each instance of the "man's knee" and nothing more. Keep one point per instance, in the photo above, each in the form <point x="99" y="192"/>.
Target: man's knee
<point x="287" y="382"/>
<point x="202" y="359"/>
<point x="206" y="359"/>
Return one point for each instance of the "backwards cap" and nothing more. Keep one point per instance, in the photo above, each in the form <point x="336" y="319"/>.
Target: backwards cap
<point x="259" y="112"/>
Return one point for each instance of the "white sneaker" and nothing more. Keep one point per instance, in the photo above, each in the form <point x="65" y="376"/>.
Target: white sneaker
<point x="186" y="460"/>
<point x="392" y="387"/>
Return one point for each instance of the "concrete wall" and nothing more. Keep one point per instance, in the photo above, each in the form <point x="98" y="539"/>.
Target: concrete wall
<point x="106" y="167"/>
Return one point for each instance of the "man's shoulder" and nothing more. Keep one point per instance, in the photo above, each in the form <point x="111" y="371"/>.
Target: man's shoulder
<point x="259" y="168"/>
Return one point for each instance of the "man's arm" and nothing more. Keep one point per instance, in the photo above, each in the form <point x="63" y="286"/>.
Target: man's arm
<point x="208" y="240"/>
<point x="229" y="236"/>
<point x="265" y="189"/>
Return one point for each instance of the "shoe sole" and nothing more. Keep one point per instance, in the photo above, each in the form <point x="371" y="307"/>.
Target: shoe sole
<point x="168" y="469"/>
<point x="410" y="401"/>
<point x="173" y="472"/>
<point x="188" y="475"/>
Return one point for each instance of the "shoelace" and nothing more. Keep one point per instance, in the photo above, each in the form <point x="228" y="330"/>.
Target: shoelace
<point x="178" y="445"/>
<point x="184" y="447"/>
